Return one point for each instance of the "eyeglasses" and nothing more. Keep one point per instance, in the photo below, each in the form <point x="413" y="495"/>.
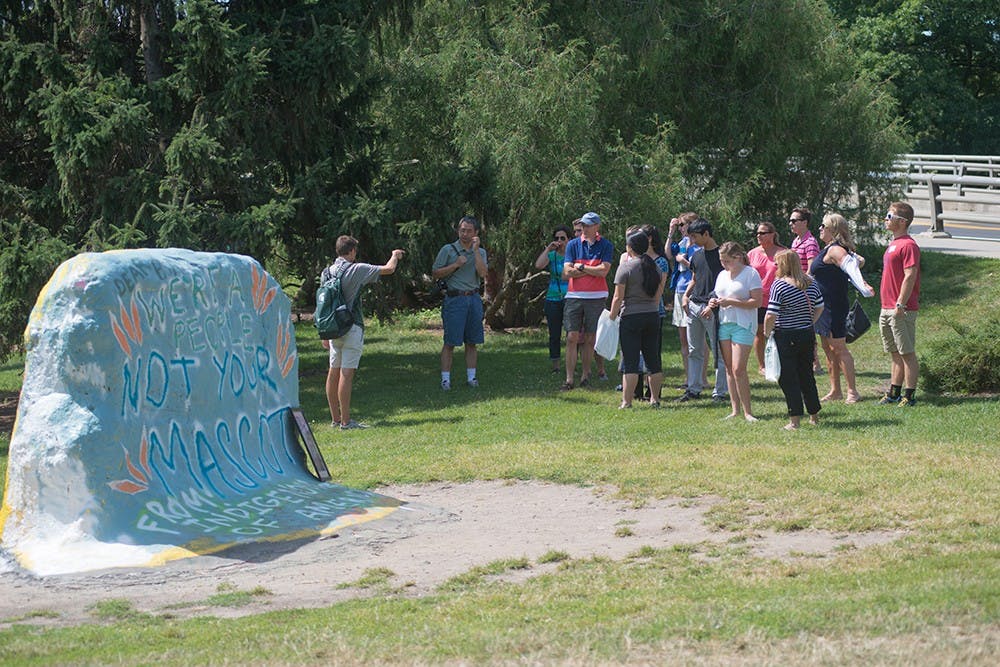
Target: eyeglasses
<point x="793" y="220"/>
<point x="763" y="232"/>
<point x="889" y="217"/>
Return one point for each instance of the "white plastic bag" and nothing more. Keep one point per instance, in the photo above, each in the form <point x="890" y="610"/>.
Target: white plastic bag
<point x="772" y="364"/>
<point x="606" y="343"/>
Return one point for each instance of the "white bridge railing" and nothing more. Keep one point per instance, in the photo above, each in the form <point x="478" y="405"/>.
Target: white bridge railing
<point x="957" y="188"/>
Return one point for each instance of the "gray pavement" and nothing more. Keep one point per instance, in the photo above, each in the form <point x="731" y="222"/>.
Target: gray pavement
<point x="959" y="246"/>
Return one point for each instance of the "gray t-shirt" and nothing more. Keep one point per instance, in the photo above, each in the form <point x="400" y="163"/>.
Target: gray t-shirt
<point x="356" y="276"/>
<point x="465" y="279"/>
<point x="636" y="301"/>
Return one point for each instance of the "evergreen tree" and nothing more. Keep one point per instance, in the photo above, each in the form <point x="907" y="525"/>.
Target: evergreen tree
<point x="241" y="126"/>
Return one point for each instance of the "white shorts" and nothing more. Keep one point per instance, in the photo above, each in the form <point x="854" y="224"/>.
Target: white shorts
<point x="345" y="352"/>
<point x="680" y="316"/>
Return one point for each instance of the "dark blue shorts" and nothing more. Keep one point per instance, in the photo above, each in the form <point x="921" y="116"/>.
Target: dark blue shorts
<point x="832" y="324"/>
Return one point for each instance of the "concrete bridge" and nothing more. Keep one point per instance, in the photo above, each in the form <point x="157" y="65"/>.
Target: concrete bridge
<point x="953" y="197"/>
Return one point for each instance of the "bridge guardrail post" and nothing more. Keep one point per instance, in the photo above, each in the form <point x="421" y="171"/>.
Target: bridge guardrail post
<point x="937" y="209"/>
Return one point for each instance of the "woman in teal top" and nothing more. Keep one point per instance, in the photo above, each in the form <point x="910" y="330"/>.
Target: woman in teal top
<point x="552" y="256"/>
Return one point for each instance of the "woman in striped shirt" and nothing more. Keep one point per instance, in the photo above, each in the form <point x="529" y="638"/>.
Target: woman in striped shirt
<point x="794" y="305"/>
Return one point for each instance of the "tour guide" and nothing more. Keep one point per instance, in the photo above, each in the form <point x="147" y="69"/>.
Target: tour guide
<point x="461" y="265"/>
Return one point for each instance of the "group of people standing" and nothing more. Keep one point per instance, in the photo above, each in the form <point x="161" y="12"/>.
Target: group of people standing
<point x="726" y="303"/>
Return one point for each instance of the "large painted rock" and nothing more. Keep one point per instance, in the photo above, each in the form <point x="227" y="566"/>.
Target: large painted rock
<point x="155" y="417"/>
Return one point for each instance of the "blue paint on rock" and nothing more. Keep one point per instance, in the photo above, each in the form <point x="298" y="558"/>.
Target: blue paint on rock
<point x="155" y="413"/>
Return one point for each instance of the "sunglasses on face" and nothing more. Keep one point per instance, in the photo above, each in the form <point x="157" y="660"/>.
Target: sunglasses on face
<point x="890" y="216"/>
<point x="763" y="232"/>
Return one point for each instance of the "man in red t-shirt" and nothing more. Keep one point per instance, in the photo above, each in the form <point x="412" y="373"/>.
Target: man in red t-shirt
<point x="898" y="317"/>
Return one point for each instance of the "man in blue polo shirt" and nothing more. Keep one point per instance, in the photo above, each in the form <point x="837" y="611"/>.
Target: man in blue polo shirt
<point x="461" y="265"/>
<point x="586" y="266"/>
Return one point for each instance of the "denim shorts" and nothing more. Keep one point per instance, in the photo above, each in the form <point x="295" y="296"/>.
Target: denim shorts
<point x="462" y="317"/>
<point x="736" y="333"/>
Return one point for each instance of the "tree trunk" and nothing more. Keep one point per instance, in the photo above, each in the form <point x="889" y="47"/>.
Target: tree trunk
<point x="149" y="36"/>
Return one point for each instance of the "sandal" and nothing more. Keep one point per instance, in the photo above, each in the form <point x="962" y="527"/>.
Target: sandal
<point x="852" y="398"/>
<point x="624" y="406"/>
<point x="566" y="386"/>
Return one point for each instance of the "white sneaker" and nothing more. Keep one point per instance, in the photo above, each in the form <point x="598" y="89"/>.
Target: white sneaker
<point x="474" y="383"/>
<point x="351" y="425"/>
<point x="446" y="385"/>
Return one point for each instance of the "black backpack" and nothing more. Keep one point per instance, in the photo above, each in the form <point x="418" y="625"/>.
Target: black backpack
<point x="333" y="317"/>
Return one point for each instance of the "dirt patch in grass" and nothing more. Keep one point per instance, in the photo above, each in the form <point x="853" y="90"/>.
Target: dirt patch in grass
<point x="446" y="530"/>
<point x="8" y="410"/>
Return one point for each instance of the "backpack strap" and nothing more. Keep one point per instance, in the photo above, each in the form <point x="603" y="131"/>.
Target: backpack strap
<point x="355" y="305"/>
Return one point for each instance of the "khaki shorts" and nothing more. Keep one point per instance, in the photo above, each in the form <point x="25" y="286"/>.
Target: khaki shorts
<point x="899" y="334"/>
<point x="345" y="352"/>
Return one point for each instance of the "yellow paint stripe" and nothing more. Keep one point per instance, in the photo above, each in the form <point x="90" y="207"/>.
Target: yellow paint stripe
<point x="964" y="225"/>
<point x="177" y="553"/>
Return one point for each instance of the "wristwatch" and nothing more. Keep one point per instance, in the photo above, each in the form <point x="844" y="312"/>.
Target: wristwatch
<point x="899" y="305"/>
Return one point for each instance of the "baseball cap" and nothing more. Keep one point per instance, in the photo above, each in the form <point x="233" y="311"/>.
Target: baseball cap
<point x="590" y="219"/>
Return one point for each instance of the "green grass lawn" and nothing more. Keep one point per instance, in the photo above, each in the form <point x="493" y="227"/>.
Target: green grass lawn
<point x="930" y="472"/>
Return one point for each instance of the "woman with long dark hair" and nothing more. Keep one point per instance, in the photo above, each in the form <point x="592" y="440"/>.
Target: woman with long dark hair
<point x="552" y="258"/>
<point x="638" y="291"/>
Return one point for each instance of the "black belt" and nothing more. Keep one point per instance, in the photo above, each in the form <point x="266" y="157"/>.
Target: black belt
<point x="458" y="292"/>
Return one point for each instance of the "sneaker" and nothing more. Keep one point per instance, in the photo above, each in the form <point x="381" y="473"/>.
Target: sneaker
<point x="906" y="402"/>
<point x="687" y="396"/>
<point x="889" y="400"/>
<point x="603" y="377"/>
<point x="474" y="383"/>
<point x="350" y="425"/>
<point x="446" y="385"/>
<point x="718" y="398"/>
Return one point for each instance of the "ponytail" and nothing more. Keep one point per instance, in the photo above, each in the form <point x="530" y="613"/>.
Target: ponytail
<point x="650" y="275"/>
